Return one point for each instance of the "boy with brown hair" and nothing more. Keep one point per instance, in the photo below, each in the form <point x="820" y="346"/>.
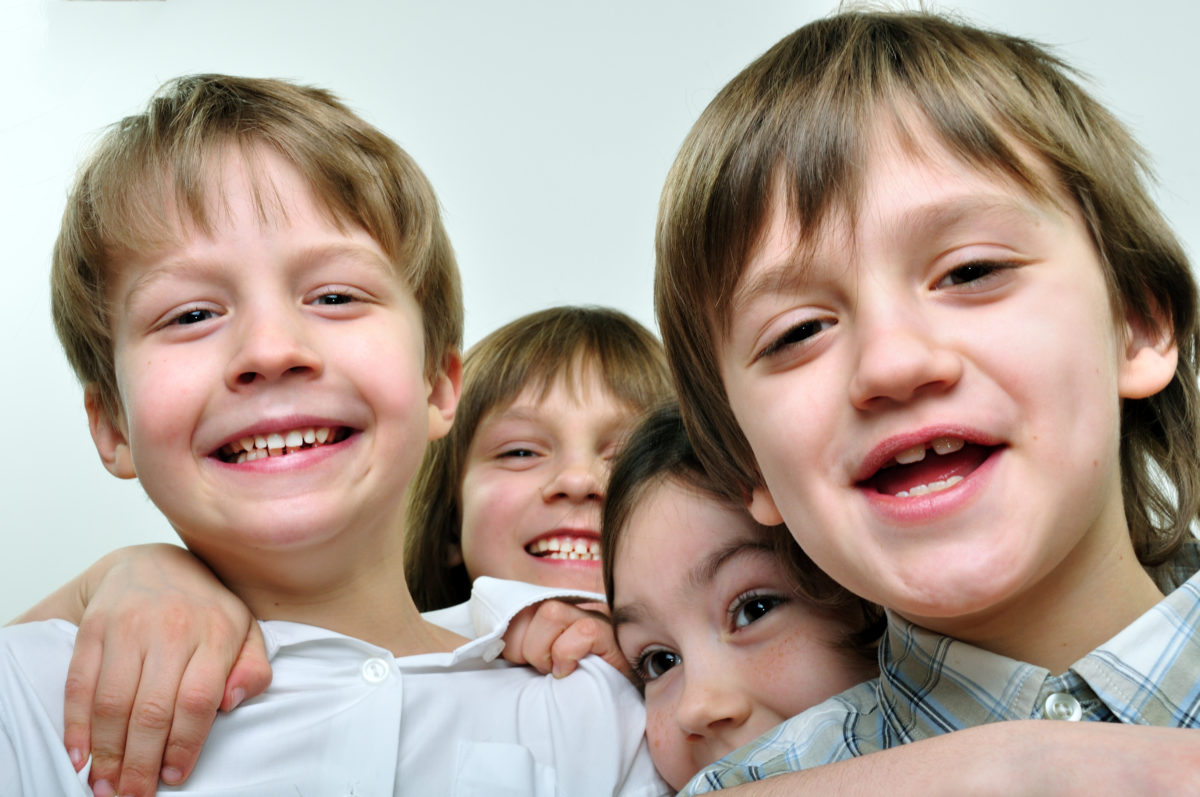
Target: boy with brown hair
<point x="920" y="307"/>
<point x="256" y="290"/>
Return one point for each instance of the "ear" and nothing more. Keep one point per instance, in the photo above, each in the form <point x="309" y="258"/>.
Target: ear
<point x="444" y="390"/>
<point x="1150" y="357"/>
<point x="762" y="507"/>
<point x="454" y="556"/>
<point x="109" y="436"/>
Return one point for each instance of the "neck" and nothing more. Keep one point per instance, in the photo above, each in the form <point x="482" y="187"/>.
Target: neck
<point x="357" y="590"/>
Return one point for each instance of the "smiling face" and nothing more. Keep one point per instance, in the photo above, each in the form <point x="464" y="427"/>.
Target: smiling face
<point x="271" y="376"/>
<point x="708" y="618"/>
<point x="534" y="479"/>
<point x="932" y="394"/>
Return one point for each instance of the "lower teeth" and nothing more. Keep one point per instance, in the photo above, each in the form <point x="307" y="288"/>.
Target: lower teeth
<point x="932" y="487"/>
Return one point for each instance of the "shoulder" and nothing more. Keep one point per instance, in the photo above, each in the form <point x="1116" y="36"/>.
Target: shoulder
<point x="835" y="730"/>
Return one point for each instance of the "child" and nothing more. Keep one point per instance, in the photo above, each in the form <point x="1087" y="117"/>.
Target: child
<point x="919" y="306"/>
<point x="256" y="291"/>
<point x="513" y="491"/>
<point x="728" y="627"/>
<point x="546" y="400"/>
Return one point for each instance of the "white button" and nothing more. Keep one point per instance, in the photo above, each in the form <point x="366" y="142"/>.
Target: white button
<point x="375" y="670"/>
<point x="1061" y="706"/>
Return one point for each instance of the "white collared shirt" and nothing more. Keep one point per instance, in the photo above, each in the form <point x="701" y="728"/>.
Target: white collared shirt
<point x="344" y="717"/>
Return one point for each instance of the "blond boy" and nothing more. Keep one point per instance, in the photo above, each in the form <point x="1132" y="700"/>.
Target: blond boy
<point x="256" y="290"/>
<point x="920" y="307"/>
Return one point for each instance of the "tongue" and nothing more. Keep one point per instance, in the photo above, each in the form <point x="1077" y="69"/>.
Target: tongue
<point x="933" y="468"/>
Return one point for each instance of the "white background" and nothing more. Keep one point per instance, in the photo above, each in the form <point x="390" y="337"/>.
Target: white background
<point x="546" y="127"/>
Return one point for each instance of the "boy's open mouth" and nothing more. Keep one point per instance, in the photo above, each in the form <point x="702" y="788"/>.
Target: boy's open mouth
<point x="565" y="547"/>
<point x="928" y="468"/>
<point x="278" y="444"/>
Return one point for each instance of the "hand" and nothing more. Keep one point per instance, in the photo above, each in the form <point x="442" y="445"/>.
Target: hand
<point x="162" y="644"/>
<point x="553" y="636"/>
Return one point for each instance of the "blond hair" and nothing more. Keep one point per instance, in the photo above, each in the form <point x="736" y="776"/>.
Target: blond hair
<point x="803" y="114"/>
<point x="152" y="172"/>
<point x="530" y="353"/>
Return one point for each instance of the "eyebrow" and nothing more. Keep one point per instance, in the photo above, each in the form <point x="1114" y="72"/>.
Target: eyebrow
<point x="788" y="275"/>
<point x="698" y="577"/>
<point x="202" y="268"/>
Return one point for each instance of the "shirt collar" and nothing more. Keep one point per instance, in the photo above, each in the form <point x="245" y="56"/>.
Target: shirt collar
<point x="1149" y="673"/>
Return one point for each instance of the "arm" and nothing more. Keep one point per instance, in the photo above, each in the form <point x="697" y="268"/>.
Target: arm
<point x="553" y="636"/>
<point x="1029" y="757"/>
<point x="161" y="645"/>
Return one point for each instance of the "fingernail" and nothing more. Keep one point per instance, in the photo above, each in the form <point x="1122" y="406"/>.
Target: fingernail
<point x="101" y="788"/>
<point x="76" y="757"/>
<point x="171" y="776"/>
<point x="239" y="694"/>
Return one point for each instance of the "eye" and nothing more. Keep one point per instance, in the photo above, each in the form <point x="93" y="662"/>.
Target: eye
<point x="797" y="334"/>
<point x="194" y="316"/>
<point x="517" y="453"/>
<point x="654" y="663"/>
<point x="333" y="298"/>
<point x="969" y="273"/>
<point x="751" y="608"/>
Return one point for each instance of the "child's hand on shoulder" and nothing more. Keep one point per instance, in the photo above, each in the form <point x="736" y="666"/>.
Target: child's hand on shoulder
<point x="552" y="637"/>
<point x="161" y="646"/>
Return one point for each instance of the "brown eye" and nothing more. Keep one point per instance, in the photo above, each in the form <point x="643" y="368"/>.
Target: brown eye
<point x="655" y="663"/>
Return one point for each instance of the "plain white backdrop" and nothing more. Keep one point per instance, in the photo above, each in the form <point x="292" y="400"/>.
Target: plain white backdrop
<point x="546" y="126"/>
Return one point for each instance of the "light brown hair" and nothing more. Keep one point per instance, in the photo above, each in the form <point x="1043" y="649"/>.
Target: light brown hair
<point x="802" y="116"/>
<point x="151" y="174"/>
<point x="530" y="353"/>
<point x="658" y="451"/>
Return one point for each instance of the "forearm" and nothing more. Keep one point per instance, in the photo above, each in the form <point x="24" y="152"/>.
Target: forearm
<point x="69" y="601"/>
<point x="1030" y="757"/>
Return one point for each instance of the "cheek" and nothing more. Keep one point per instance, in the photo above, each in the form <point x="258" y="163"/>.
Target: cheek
<point x="666" y="743"/>
<point x="491" y="507"/>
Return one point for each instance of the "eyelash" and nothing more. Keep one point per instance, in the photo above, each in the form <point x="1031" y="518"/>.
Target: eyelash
<point x="642" y="668"/>
<point x="642" y="664"/>
<point x="812" y="327"/>
<point x="989" y="268"/>
<point x="796" y="335"/>
<point x="743" y="601"/>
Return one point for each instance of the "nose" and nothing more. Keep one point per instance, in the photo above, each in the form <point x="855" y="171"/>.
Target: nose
<point x="579" y="478"/>
<point x="271" y="343"/>
<point x="901" y="356"/>
<point x="711" y="703"/>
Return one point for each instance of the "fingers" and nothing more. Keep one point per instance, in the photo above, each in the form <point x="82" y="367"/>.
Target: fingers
<point x="82" y="675"/>
<point x="553" y="636"/>
<point x="112" y="702"/>
<point x="199" y="696"/>
<point x="251" y="673"/>
<point x="587" y="636"/>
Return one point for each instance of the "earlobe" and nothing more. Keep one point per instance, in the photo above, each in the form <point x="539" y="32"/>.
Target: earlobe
<point x="1150" y="358"/>
<point x="762" y="507"/>
<point x="109" y="437"/>
<point x="444" y="391"/>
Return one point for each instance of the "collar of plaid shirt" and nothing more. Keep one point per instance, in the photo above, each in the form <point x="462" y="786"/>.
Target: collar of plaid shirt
<point x="931" y="684"/>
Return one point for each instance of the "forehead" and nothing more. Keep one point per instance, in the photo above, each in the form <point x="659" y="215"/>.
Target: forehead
<point x="669" y="514"/>
<point x="910" y="188"/>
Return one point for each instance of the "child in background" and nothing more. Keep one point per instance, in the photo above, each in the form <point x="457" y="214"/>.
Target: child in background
<point x="547" y="399"/>
<point x="514" y="490"/>
<point x="256" y="291"/>
<point x="728" y="627"/>
<point x="919" y="306"/>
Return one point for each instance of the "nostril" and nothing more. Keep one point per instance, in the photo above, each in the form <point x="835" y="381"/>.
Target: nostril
<point x="246" y="378"/>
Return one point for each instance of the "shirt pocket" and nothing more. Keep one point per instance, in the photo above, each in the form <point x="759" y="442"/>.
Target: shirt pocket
<point x="500" y="770"/>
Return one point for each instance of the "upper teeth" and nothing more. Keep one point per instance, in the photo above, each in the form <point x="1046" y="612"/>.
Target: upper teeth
<point x="566" y="548"/>
<point x="940" y="445"/>
<point x="253" y="447"/>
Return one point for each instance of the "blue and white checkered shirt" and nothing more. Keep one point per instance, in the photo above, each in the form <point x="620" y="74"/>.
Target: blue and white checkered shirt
<point x="1148" y="674"/>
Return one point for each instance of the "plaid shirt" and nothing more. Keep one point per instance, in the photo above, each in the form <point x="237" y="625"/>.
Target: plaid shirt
<point x="1148" y="674"/>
